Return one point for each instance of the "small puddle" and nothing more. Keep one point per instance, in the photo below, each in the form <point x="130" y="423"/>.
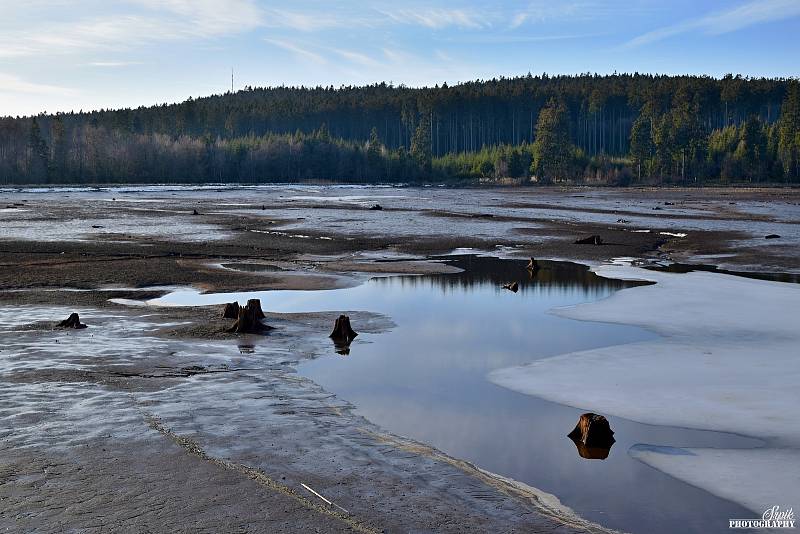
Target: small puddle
<point x="426" y="379"/>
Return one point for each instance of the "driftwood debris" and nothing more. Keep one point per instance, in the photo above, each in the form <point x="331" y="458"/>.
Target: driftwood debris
<point x="591" y="240"/>
<point x="343" y="334"/>
<point x="326" y="501"/>
<point x="73" y="321"/>
<point x="248" y="320"/>
<point x="231" y="311"/>
<point x="512" y="286"/>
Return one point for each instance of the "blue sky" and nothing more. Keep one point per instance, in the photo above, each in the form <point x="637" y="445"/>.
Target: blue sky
<point x="61" y="55"/>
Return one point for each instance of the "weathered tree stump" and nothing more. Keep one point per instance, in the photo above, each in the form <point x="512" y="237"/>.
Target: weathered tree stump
<point x="591" y="240"/>
<point x="249" y="318"/>
<point x="73" y="321"/>
<point x="231" y="311"/>
<point x="592" y="430"/>
<point x="533" y="265"/>
<point x="343" y="334"/>
<point x="512" y="286"/>
<point x="255" y="304"/>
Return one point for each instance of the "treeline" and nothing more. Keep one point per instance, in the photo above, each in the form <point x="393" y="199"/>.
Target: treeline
<point x="597" y="129"/>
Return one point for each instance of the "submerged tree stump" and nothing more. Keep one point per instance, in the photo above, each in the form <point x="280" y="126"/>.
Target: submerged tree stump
<point x="73" y="321"/>
<point x="231" y="311"/>
<point x="591" y="240"/>
<point x="249" y="318"/>
<point x="593" y="430"/>
<point x="343" y="334"/>
<point x="512" y="286"/>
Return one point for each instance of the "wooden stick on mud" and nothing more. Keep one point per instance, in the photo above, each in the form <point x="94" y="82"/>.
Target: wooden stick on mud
<point x="330" y="503"/>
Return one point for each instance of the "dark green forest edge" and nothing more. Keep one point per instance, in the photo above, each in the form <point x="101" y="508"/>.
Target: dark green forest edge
<point x="588" y="129"/>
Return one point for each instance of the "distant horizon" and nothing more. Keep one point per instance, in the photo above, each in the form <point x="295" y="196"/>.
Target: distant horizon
<point x="57" y="56"/>
<point x="398" y="85"/>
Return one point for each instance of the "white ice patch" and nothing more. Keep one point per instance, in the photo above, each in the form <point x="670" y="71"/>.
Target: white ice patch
<point x="673" y="234"/>
<point x="755" y="478"/>
<point x="729" y="360"/>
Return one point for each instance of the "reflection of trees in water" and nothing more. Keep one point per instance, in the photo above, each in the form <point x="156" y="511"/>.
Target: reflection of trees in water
<point x="552" y="277"/>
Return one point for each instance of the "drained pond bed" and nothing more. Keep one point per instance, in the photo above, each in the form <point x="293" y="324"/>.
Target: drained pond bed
<point x="426" y="379"/>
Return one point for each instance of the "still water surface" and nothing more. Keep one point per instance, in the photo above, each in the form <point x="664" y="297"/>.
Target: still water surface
<point x="426" y="379"/>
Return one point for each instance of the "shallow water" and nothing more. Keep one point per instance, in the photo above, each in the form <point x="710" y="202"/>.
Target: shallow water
<point x="426" y="379"/>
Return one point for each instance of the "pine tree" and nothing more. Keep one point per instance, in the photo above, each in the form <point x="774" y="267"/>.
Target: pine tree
<point x="552" y="148"/>
<point x="641" y="144"/>
<point x="39" y="156"/>
<point x="421" y="146"/>
<point x="789" y="133"/>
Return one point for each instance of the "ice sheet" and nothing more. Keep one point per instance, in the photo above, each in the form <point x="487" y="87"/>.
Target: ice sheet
<point x="728" y="360"/>
<point x="756" y="478"/>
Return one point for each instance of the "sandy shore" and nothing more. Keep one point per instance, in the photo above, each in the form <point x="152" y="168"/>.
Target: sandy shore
<point x="156" y="419"/>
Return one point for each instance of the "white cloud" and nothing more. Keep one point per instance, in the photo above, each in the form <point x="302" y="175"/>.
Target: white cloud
<point x="438" y="18"/>
<point x="14" y="84"/>
<point x="208" y="18"/>
<point x="112" y="64"/>
<point x="156" y="21"/>
<point x="297" y="50"/>
<point x="357" y="57"/>
<point x="742" y="16"/>
<point x="307" y="22"/>
<point x="541" y="11"/>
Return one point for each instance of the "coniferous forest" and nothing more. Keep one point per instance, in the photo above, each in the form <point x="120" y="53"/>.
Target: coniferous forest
<point x="615" y="129"/>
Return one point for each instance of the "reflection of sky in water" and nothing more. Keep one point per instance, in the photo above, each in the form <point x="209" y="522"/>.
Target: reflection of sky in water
<point x="426" y="379"/>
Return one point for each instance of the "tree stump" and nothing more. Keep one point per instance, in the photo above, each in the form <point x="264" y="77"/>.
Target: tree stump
<point x="591" y="240"/>
<point x="592" y="430"/>
<point x="249" y="318"/>
<point x="231" y="311"/>
<point x="533" y="265"/>
<point x="513" y="286"/>
<point x="343" y="334"/>
<point x="73" y="321"/>
<point x="255" y="304"/>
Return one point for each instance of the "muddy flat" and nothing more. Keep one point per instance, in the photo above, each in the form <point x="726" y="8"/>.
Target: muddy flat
<point x="156" y="417"/>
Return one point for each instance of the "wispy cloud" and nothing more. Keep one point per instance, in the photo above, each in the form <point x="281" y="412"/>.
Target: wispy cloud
<point x="742" y="16"/>
<point x="438" y="18"/>
<point x="357" y="57"/>
<point x="14" y="84"/>
<point x="112" y="64"/>
<point x="516" y="38"/>
<point x="308" y="21"/>
<point x="541" y="11"/>
<point x="155" y="21"/>
<point x="297" y="50"/>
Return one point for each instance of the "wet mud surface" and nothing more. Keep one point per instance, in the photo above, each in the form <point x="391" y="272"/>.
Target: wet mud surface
<point x="157" y="419"/>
